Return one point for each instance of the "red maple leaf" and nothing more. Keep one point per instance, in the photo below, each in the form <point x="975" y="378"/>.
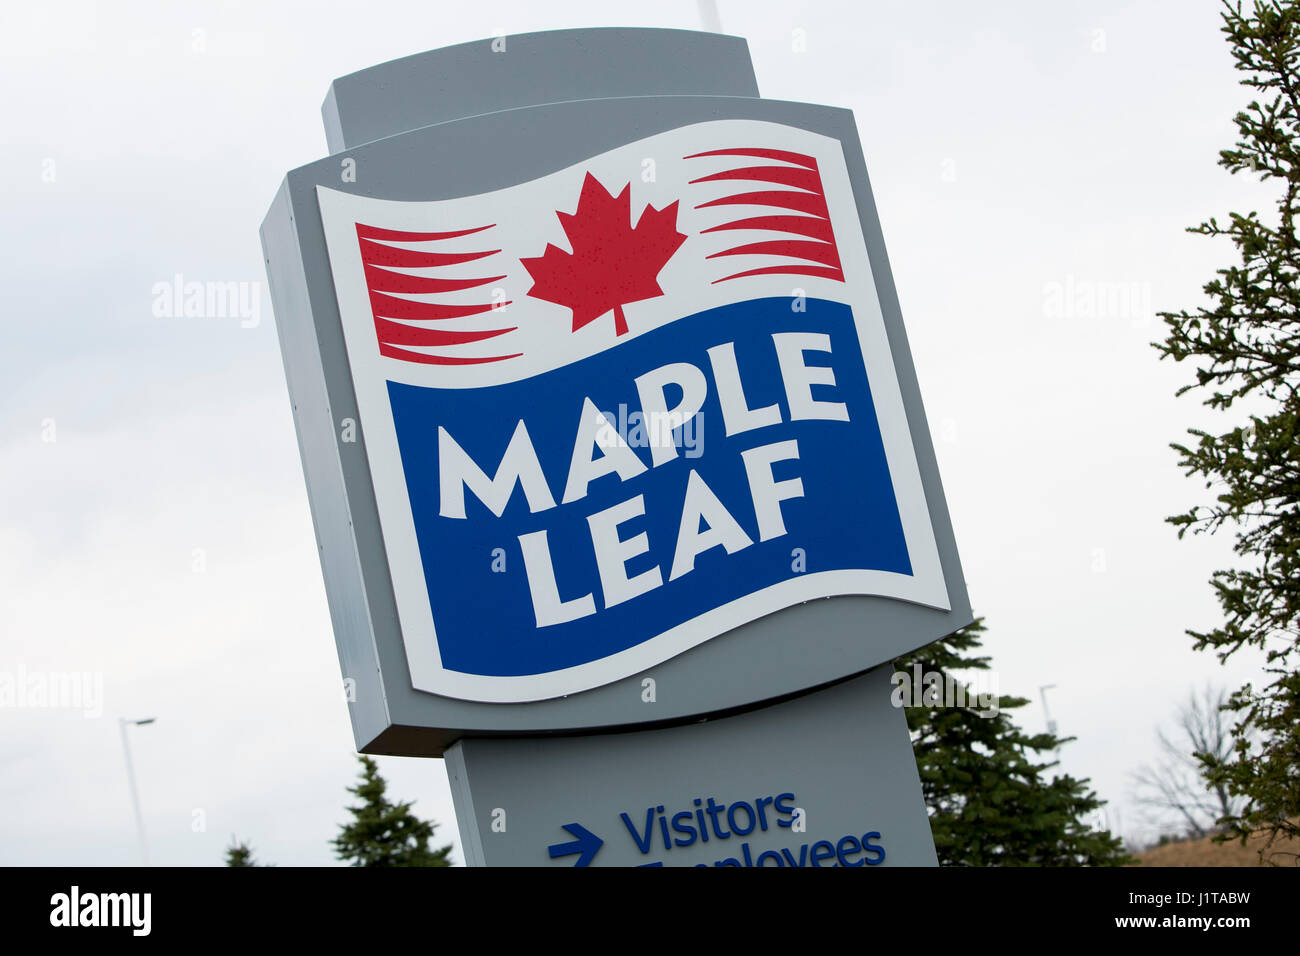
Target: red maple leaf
<point x="612" y="262"/>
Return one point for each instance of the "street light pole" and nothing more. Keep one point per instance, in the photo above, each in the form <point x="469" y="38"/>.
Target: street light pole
<point x="122" y="724"/>
<point x="1042" y="693"/>
<point x="1051" y="724"/>
<point x="709" y="18"/>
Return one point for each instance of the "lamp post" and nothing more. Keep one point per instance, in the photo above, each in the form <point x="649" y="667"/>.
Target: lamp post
<point x="709" y="19"/>
<point x="122" y="724"/>
<point x="1051" y="724"/>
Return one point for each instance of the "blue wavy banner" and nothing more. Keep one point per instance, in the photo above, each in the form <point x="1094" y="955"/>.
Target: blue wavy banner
<point x="484" y="595"/>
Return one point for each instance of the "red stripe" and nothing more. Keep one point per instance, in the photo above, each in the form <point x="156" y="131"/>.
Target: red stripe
<point x="799" y="202"/>
<point x="381" y="280"/>
<point x="818" y="271"/>
<point x="395" y="333"/>
<point x="778" y="154"/>
<point x="795" y="248"/>
<point x="424" y="359"/>
<point x="812" y="226"/>
<point x="394" y="235"/>
<point x="390" y="307"/>
<point x="800" y="178"/>
<point x="377" y="254"/>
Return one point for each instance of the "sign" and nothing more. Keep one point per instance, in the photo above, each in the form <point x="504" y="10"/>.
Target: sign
<point x="603" y="434"/>
<point x="604" y="401"/>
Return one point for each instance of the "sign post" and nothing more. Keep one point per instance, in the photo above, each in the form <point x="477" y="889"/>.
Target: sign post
<point x="618" y="467"/>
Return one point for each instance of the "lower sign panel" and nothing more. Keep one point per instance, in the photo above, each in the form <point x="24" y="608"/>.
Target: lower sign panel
<point x="827" y="779"/>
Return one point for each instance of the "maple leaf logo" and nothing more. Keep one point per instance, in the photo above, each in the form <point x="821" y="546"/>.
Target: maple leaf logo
<point x="612" y="263"/>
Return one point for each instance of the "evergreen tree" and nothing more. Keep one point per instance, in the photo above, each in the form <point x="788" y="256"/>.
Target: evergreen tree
<point x="383" y="833"/>
<point x="990" y="800"/>
<point x="1245" y="346"/>
<point x="239" y="854"/>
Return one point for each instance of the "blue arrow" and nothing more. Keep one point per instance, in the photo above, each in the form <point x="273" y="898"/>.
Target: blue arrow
<point x="587" y="844"/>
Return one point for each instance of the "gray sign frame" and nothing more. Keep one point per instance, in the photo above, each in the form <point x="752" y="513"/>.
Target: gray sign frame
<point x="787" y="653"/>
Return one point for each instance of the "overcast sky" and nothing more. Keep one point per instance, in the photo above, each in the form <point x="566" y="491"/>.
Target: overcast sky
<point x="154" y="526"/>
